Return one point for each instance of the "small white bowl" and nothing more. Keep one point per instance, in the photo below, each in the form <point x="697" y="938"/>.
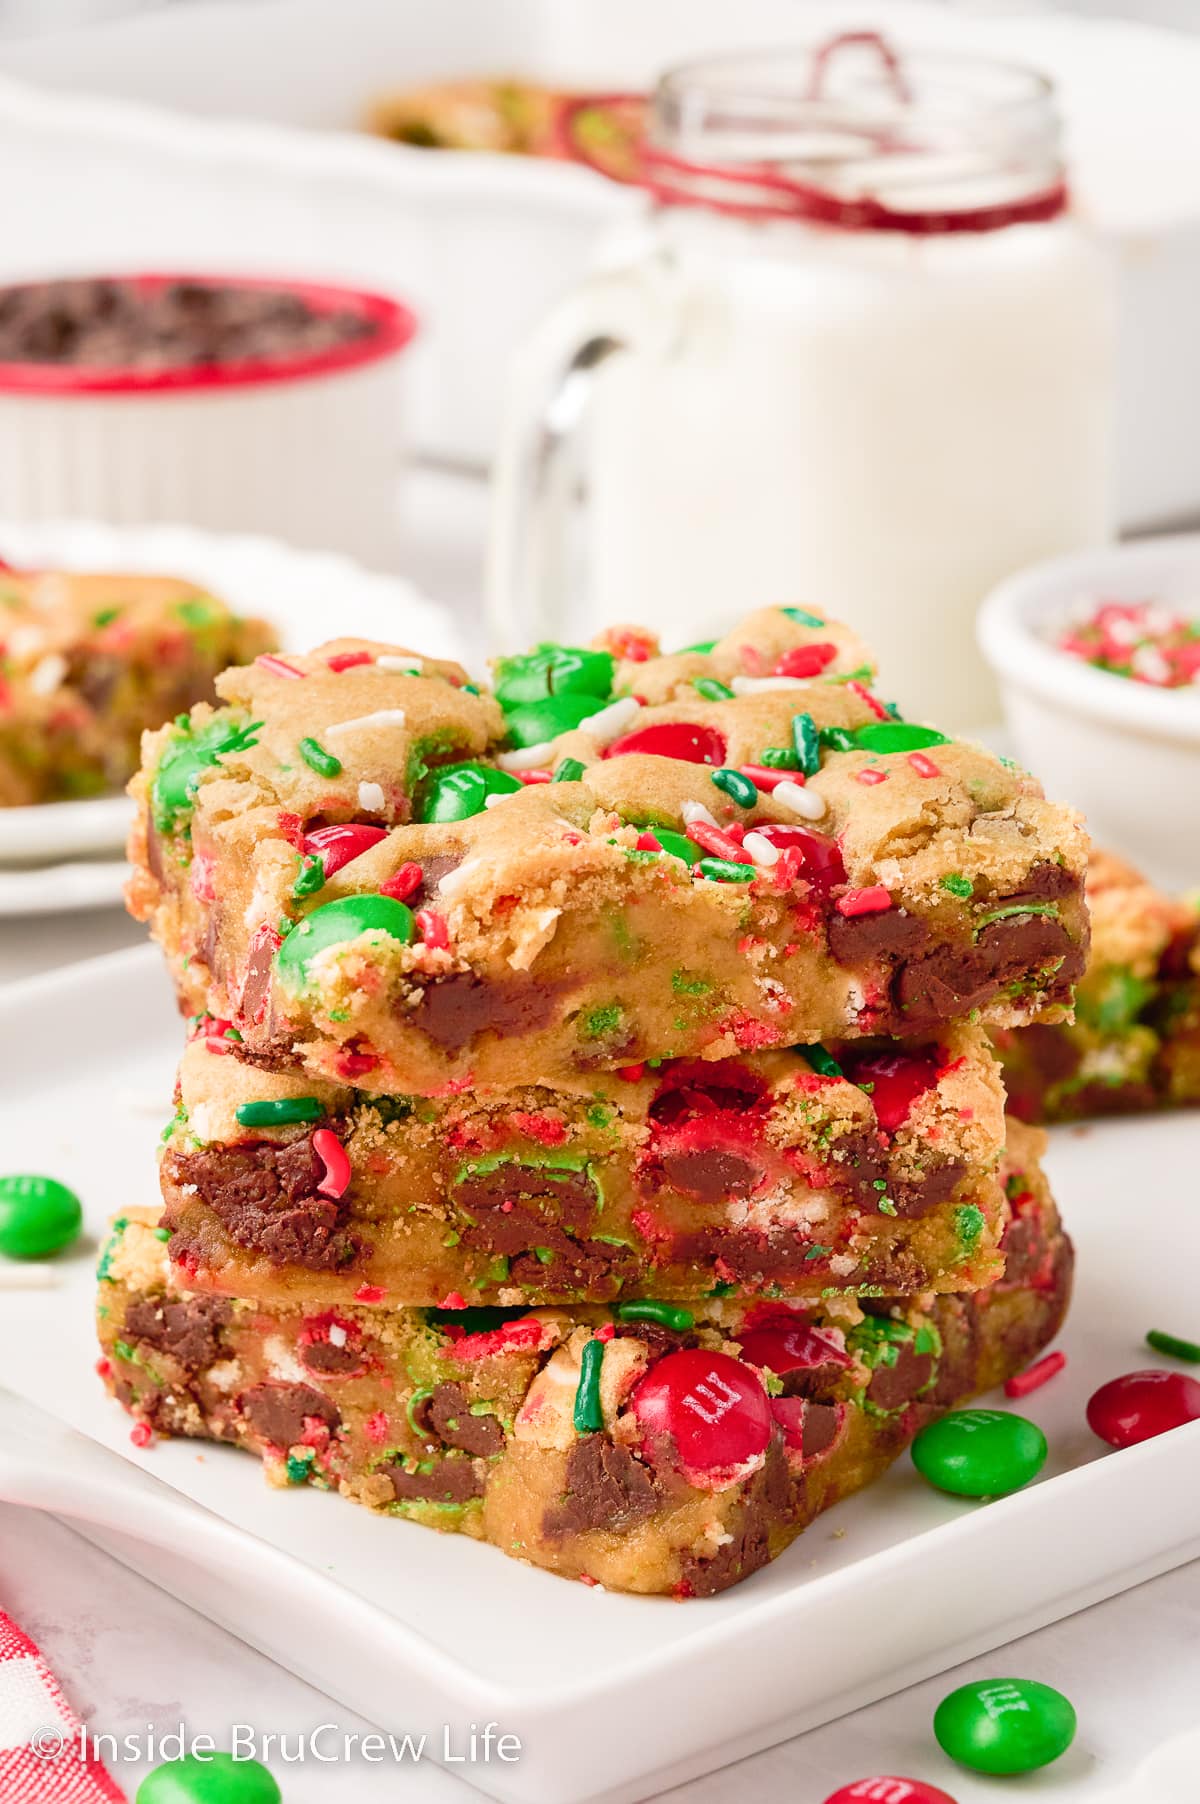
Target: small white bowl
<point x="1125" y="753"/>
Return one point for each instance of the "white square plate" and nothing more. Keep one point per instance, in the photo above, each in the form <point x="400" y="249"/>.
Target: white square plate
<point x="613" y="1698"/>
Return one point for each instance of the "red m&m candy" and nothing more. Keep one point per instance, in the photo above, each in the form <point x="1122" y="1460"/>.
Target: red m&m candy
<point x="885" y="1790"/>
<point x="337" y="845"/>
<point x="820" y="860"/>
<point x="896" y="1080"/>
<point x="713" y="1407"/>
<point x="1140" y="1405"/>
<point x="793" y="1346"/>
<point x="692" y="744"/>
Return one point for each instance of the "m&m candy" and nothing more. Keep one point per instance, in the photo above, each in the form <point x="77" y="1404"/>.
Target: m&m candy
<point x="209" y="1779"/>
<point x="37" y="1216"/>
<point x="895" y="1081"/>
<point x="1140" y="1405"/>
<point x="1004" y="1725"/>
<point x="337" y="922"/>
<point x="713" y="1407"/>
<point x="979" y="1452"/>
<point x="460" y="791"/>
<point x="888" y="1790"/>
<point x="691" y="744"/>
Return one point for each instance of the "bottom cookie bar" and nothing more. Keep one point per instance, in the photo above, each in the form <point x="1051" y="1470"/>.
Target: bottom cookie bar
<point x="647" y="1447"/>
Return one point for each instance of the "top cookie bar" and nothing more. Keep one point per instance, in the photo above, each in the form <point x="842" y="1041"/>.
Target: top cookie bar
<point x="368" y="865"/>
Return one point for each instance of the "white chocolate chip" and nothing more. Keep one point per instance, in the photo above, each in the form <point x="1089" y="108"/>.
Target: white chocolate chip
<point x="609" y="723"/>
<point x="744" y="685"/>
<point x="405" y="666"/>
<point x="804" y="802"/>
<point x="371" y="798"/>
<point x="48" y="673"/>
<point x="528" y="758"/>
<point x="694" y="812"/>
<point x="383" y="717"/>
<point x="761" y="850"/>
<point x="337" y="1335"/>
<point x="458" y="878"/>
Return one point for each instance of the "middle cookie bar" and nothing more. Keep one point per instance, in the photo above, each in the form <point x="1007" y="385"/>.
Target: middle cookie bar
<point x="870" y="1167"/>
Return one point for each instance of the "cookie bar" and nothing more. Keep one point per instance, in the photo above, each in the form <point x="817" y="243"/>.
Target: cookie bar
<point x="652" y="1447"/>
<point x="1135" y="1041"/>
<point x="365" y="862"/>
<point x="869" y="1166"/>
<point x="88" y="663"/>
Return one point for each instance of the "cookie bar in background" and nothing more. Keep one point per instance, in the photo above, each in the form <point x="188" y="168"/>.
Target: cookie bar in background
<point x="365" y="863"/>
<point x="1135" y="1041"/>
<point x="650" y="1447"/>
<point x="88" y="663"/>
<point x="869" y="1166"/>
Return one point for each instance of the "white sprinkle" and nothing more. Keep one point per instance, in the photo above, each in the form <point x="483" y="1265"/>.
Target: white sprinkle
<point x="406" y="666"/>
<point x="337" y="1335"/>
<point x="744" y="685"/>
<point x="800" y="801"/>
<point x="48" y="673"/>
<point x="29" y="1277"/>
<point x="612" y="721"/>
<point x="696" y="811"/>
<point x="495" y="801"/>
<point x="383" y="717"/>
<point x="528" y="758"/>
<point x="458" y="878"/>
<point x="370" y="798"/>
<point x="761" y="850"/>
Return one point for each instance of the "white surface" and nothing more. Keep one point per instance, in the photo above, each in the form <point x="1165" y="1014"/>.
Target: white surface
<point x="1127" y="754"/>
<point x="409" y="1614"/>
<point x="62" y="888"/>
<point x="307" y="596"/>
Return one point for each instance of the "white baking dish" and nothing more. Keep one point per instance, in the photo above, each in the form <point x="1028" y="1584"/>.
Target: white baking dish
<point x="479" y="245"/>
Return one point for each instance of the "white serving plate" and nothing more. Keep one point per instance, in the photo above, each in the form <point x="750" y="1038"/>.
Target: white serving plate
<point x="614" y="1698"/>
<point x="307" y="596"/>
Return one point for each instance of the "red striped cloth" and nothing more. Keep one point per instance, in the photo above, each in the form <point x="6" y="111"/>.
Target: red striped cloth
<point x="40" y="1757"/>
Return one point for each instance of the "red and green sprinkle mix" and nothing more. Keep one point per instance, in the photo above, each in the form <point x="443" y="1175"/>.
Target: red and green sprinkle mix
<point x="1141" y="640"/>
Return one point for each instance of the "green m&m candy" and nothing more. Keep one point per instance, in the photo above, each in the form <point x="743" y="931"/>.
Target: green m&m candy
<point x="980" y="1452"/>
<point x="37" y="1216"/>
<point x="897" y="736"/>
<point x="337" y="922"/>
<point x="188" y="754"/>
<point x="1004" y="1725"/>
<point x="540" y="721"/>
<point x="458" y="791"/>
<point x="554" y="670"/>
<point x="677" y="844"/>
<point x="209" y="1779"/>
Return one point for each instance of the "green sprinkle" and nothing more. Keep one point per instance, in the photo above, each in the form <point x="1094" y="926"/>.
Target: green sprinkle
<point x="684" y="985"/>
<point x="837" y="739"/>
<point x="645" y="1309"/>
<point x="820" y="1060"/>
<point x="738" y="788"/>
<point x="545" y="1255"/>
<point x="197" y="612"/>
<point x="298" y="1466"/>
<point x="886" y="1206"/>
<point x="280" y="1111"/>
<point x="968" y="1224"/>
<point x="105" y="616"/>
<point x="1015" y="908"/>
<point x="817" y="1252"/>
<point x="712" y="690"/>
<point x="599" y="1115"/>
<point x="897" y="736"/>
<point x="410" y="1409"/>
<point x="722" y="1289"/>
<point x="724" y="870"/>
<point x="318" y="759"/>
<point x="862" y="673"/>
<point x="802" y="617"/>
<point x="468" y="688"/>
<point x="569" y="771"/>
<point x="589" y="1417"/>
<point x="1169" y="1343"/>
<point x="703" y="649"/>
<point x="778" y="757"/>
<point x="600" y="1021"/>
<point x="124" y="1351"/>
<point x="957" y="884"/>
<point x="311" y="877"/>
<point x="162" y="1233"/>
<point x="807" y="741"/>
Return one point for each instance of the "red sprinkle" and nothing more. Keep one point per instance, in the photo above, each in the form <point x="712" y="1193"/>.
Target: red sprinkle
<point x="806" y="660"/>
<point x="401" y="886"/>
<point x="104" y="1368"/>
<point x="870" y="776"/>
<point x="433" y="929"/>
<point x="276" y="666"/>
<point x="292" y="828"/>
<point x="141" y="1434"/>
<point x="646" y="842"/>
<point x="347" y="660"/>
<point x="711" y="839"/>
<point x="200" y="877"/>
<point x="1035" y="1376"/>
<point x="632" y="1073"/>
<point x="763" y="777"/>
<point x="533" y="776"/>
<point x="605" y="1333"/>
<point x="924" y="767"/>
<point x="376" y="1427"/>
<point x="873" y="703"/>
<point x="870" y="901"/>
<point x="352" y="1061"/>
<point x="370" y="1293"/>
<point x="332" y="1155"/>
<point x="628" y="643"/>
<point x="453" y="1299"/>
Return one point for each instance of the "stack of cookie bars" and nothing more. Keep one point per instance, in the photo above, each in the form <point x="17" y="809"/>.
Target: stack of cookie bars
<point x="587" y="1137"/>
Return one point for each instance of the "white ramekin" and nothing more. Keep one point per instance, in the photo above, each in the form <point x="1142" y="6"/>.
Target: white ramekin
<point x="306" y="449"/>
<point x="1127" y="754"/>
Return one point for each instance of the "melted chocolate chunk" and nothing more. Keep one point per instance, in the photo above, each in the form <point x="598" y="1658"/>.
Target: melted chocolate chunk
<point x="606" y="1487"/>
<point x="953" y="980"/>
<point x="256" y="984"/>
<point x="856" y="940"/>
<point x="433" y="868"/>
<point x="448" y="1412"/>
<point x="266" y="1197"/>
<point x="768" y="1504"/>
<point x="1047" y="882"/>
<point x="958" y="1324"/>
<point x="893" y="1387"/>
<point x="452" y="1480"/>
<point x="453" y="1010"/>
<point x="572" y="1196"/>
<point x="820" y="1429"/>
<point x="1051" y="1052"/>
<point x="710" y="1174"/>
<point x="323" y="1356"/>
<point x="578" y="1268"/>
<point x="935" y="1186"/>
<point x="189" y="1331"/>
<point x="277" y="1412"/>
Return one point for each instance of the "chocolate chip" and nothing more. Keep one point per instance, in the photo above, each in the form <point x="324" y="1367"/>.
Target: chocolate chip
<point x="571" y="1198"/>
<point x="449" y="1416"/>
<point x="277" y="1412"/>
<point x="768" y="1505"/>
<point x="711" y="1175"/>
<point x="953" y="980"/>
<point x="188" y="1330"/>
<point x="323" y="1356"/>
<point x="820" y="1428"/>
<point x="265" y="1195"/>
<point x="936" y="1185"/>
<point x="606" y="1488"/>
<point x="452" y="1480"/>
<point x="894" y="1386"/>
<point x="857" y="940"/>
<point x="453" y="1010"/>
<point x="256" y="984"/>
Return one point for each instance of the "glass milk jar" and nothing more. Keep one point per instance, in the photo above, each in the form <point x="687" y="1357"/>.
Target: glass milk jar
<point x="855" y="352"/>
